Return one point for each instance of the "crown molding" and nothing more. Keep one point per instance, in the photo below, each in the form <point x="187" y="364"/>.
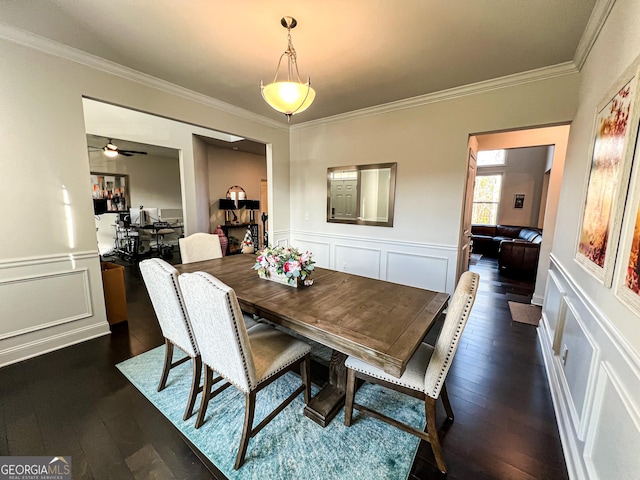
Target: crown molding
<point x="559" y="70"/>
<point x="596" y="21"/>
<point x="598" y="17"/>
<point x="51" y="47"/>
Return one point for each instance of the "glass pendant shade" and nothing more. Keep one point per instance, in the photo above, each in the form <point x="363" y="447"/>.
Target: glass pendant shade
<point x="288" y="97"/>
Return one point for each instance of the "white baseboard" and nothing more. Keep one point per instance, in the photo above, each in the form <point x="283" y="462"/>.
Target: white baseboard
<point x="35" y="348"/>
<point x="537" y="300"/>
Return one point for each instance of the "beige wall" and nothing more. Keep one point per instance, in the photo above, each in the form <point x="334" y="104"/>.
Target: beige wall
<point x="558" y="137"/>
<point x="153" y="181"/>
<point x="589" y="338"/>
<point x="44" y="127"/>
<point x="621" y="35"/>
<point x="524" y="173"/>
<point x="228" y="168"/>
<point x="429" y="142"/>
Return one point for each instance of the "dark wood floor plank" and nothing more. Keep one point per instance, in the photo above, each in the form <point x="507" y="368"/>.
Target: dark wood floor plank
<point x="102" y="454"/>
<point x="24" y="438"/>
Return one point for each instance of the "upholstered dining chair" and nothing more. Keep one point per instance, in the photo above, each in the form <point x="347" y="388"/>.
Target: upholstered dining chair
<point x="425" y="373"/>
<point x="161" y="280"/>
<point x="248" y="359"/>
<point x="199" y="247"/>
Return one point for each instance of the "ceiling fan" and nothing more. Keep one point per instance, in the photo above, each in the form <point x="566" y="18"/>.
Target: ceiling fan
<point x="111" y="150"/>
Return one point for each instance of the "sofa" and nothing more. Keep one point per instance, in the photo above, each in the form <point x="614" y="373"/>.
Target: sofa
<point x="517" y="248"/>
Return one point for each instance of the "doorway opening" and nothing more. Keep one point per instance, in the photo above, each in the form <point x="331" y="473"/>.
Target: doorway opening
<point x="137" y="198"/>
<point x="526" y="197"/>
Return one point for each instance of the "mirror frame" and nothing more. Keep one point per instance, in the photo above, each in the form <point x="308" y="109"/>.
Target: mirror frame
<point x="359" y="168"/>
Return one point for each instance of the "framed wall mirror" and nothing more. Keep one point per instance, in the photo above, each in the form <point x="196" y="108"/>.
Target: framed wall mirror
<point x="361" y="194"/>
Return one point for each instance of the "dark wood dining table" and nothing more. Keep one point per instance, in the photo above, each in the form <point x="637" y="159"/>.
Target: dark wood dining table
<point x="377" y="321"/>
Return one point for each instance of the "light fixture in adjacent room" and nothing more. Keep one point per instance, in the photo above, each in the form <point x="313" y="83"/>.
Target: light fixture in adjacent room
<point x="110" y="150"/>
<point x="290" y="96"/>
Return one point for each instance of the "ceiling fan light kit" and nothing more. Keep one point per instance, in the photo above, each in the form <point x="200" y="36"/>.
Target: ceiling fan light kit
<point x="111" y="150"/>
<point x="290" y="96"/>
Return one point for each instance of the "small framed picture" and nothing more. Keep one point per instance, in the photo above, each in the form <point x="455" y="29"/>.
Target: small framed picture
<point x="519" y="200"/>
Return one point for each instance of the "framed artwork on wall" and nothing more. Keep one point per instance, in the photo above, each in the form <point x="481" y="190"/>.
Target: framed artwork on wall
<point x="110" y="191"/>
<point x="518" y="201"/>
<point x="628" y="277"/>
<point x="611" y="152"/>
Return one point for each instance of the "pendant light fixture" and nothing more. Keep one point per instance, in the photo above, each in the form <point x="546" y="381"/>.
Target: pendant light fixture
<point x="290" y="96"/>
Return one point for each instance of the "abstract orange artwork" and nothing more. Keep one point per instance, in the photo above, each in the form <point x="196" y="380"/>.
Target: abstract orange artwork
<point x="633" y="265"/>
<point x="605" y="177"/>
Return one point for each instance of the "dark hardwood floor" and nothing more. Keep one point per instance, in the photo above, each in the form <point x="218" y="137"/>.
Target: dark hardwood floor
<point x="75" y="402"/>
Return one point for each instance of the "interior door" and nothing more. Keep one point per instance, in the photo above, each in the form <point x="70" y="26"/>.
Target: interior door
<point x="344" y="199"/>
<point x="464" y="251"/>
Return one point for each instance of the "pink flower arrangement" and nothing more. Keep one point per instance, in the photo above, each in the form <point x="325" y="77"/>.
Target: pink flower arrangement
<point x="288" y="261"/>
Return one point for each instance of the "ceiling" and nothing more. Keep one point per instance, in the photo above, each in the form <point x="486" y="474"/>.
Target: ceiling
<point x="358" y="53"/>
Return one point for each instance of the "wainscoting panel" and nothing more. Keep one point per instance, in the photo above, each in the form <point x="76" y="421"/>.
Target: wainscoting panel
<point x="358" y="260"/>
<point x="49" y="302"/>
<point x="408" y="263"/>
<point x="410" y="269"/>
<point x="616" y="423"/>
<point x="595" y="390"/>
<point x="579" y="356"/>
<point x="61" y="297"/>
<point x="321" y="251"/>
<point x="553" y="311"/>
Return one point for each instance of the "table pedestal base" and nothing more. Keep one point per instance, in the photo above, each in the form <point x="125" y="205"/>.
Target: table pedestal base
<point x="326" y="404"/>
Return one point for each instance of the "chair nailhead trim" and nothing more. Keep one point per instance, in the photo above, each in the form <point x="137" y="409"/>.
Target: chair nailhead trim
<point x="235" y="331"/>
<point x="456" y="337"/>
<point x="185" y="317"/>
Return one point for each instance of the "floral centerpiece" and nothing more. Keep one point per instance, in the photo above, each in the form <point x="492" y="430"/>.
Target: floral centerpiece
<point x="285" y="264"/>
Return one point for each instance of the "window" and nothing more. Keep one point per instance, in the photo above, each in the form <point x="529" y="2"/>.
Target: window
<point x="486" y="198"/>
<point x="488" y="158"/>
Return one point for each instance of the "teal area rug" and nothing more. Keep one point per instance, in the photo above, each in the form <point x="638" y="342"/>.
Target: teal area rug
<point x="291" y="445"/>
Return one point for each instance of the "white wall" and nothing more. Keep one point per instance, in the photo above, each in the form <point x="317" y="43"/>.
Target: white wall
<point x="429" y="142"/>
<point x="596" y="388"/>
<point x="43" y="133"/>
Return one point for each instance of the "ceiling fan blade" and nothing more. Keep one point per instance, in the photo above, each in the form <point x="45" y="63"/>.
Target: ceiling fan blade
<point x="132" y="152"/>
<point x="125" y="153"/>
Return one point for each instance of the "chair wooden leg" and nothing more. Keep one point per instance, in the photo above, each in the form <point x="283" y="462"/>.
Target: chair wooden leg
<point x="434" y="439"/>
<point x="246" y="430"/>
<point x="168" y="358"/>
<point x="350" y="395"/>
<point x="206" y="395"/>
<point x="445" y="402"/>
<point x="305" y="373"/>
<point x="195" y="386"/>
